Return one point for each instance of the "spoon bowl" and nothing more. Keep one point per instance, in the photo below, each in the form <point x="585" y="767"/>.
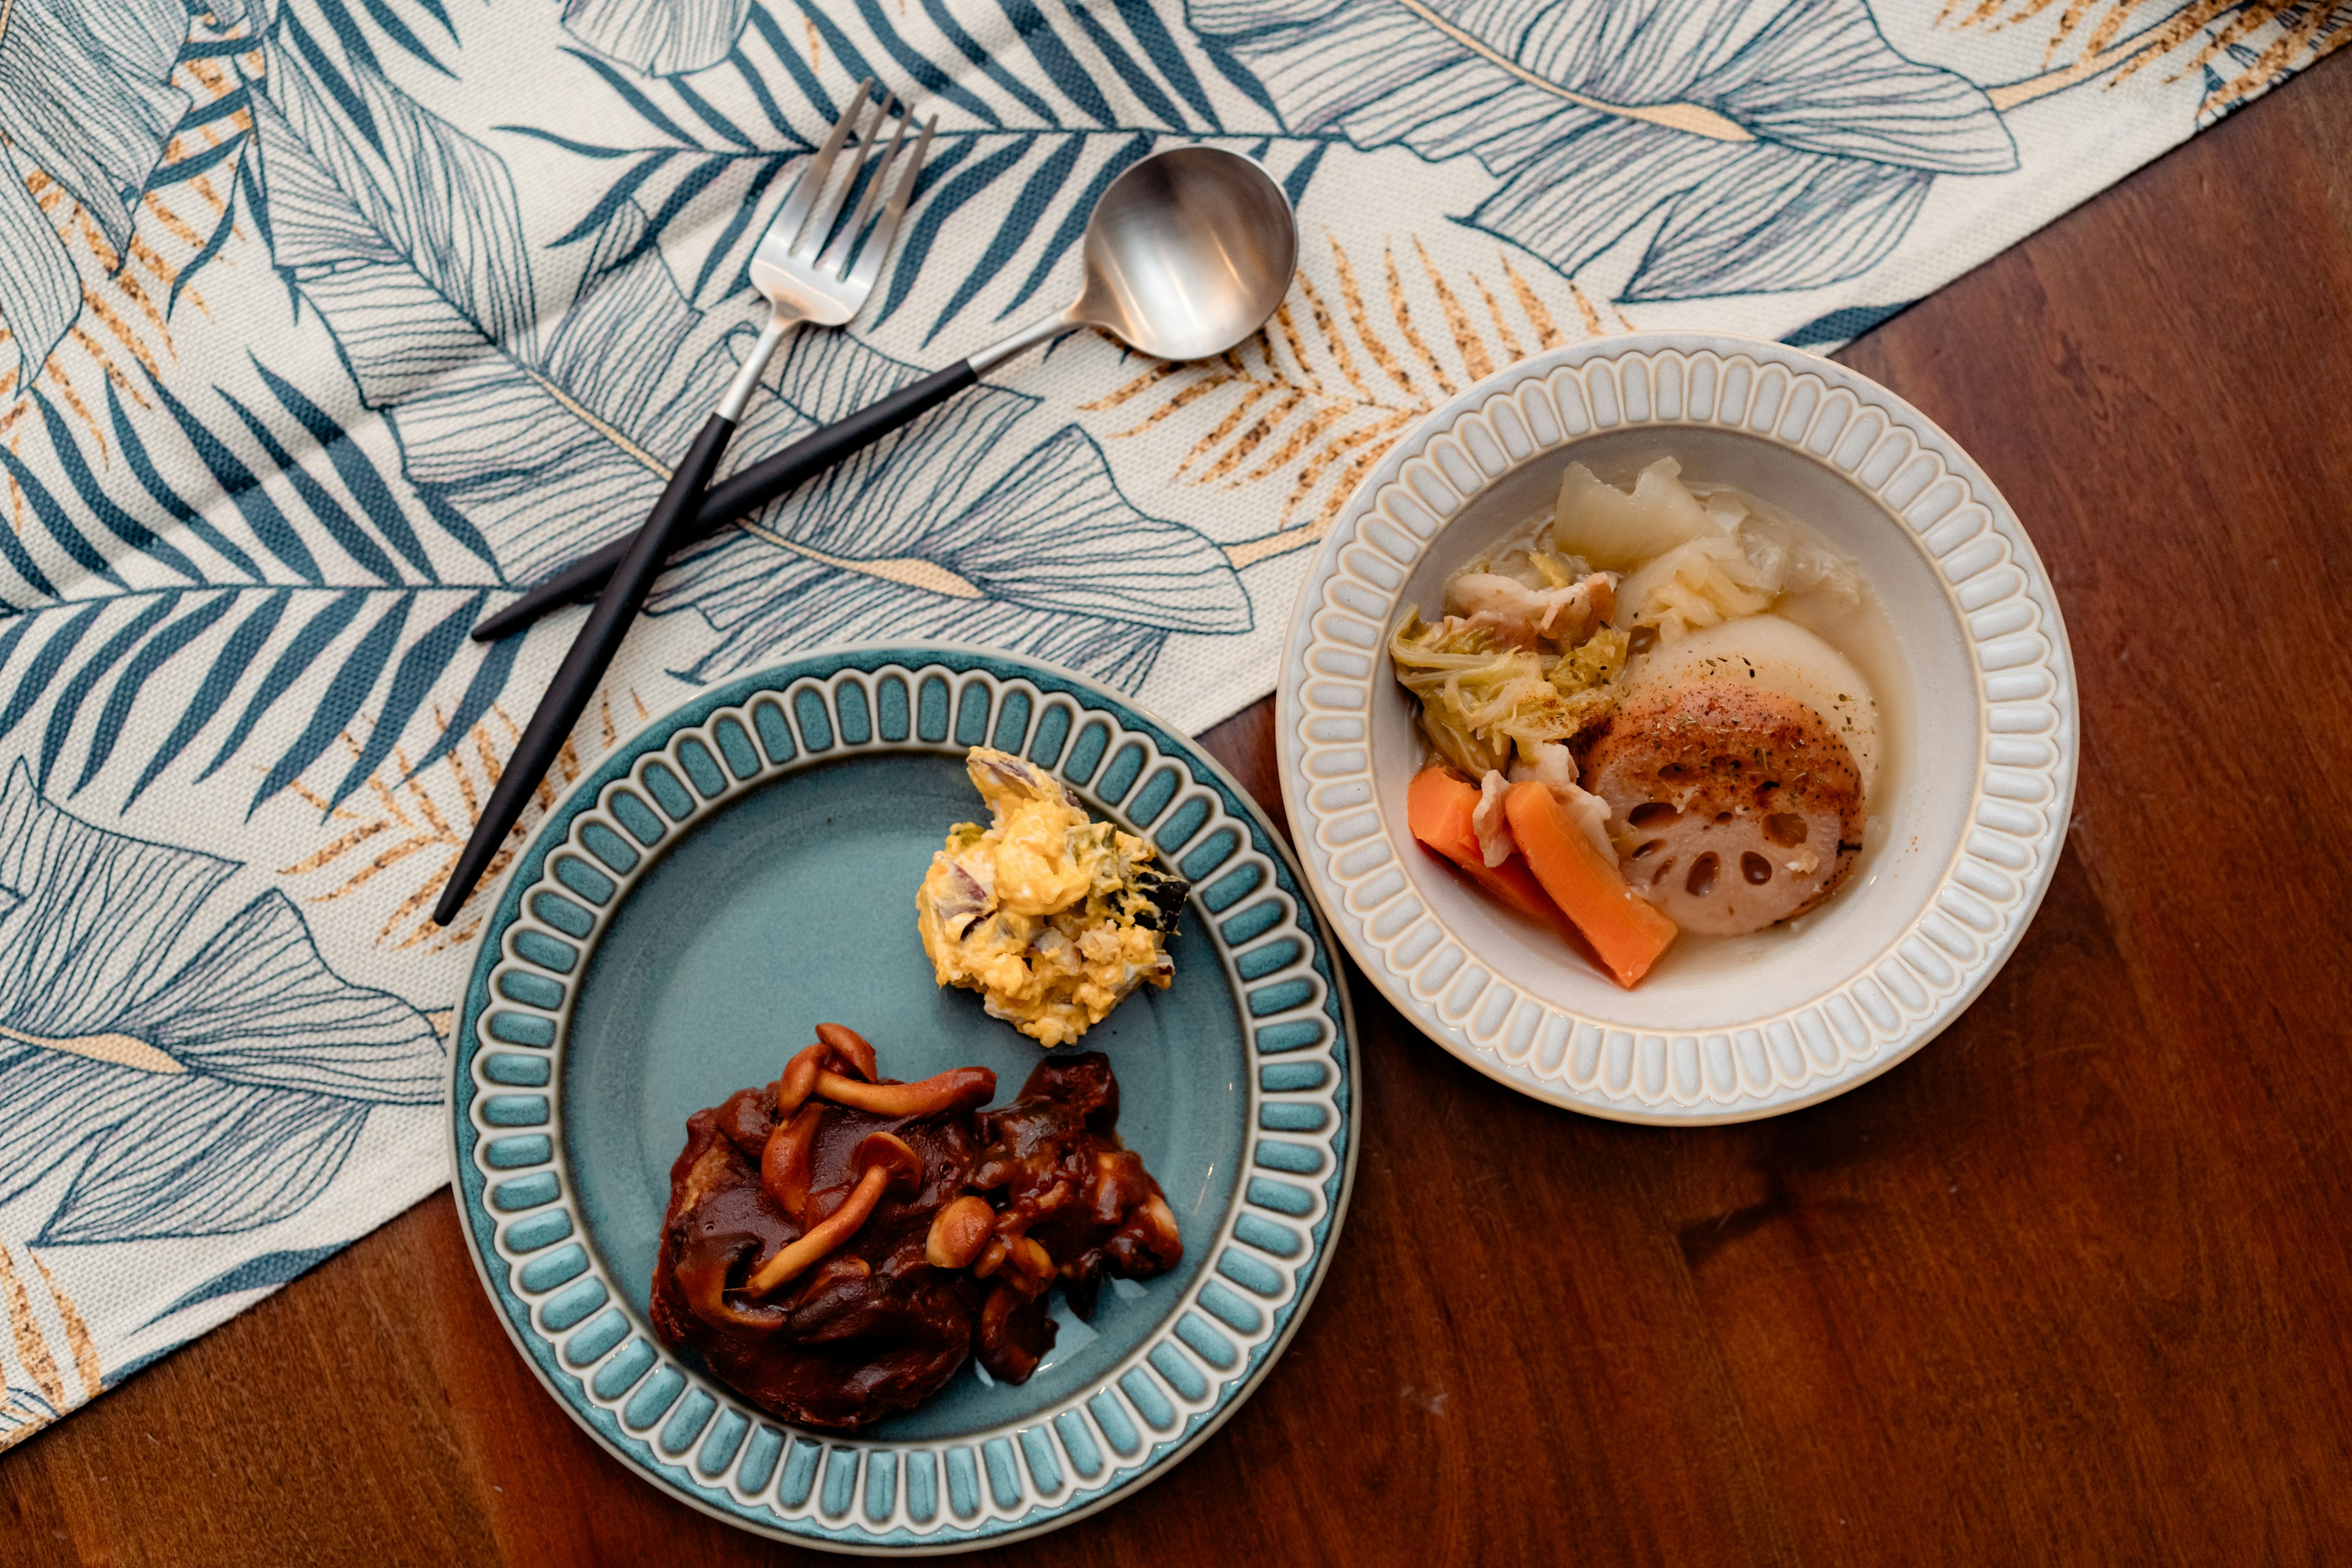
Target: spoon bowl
<point x="1187" y="254"/>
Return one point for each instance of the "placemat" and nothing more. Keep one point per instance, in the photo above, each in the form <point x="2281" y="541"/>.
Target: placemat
<point x="324" y="325"/>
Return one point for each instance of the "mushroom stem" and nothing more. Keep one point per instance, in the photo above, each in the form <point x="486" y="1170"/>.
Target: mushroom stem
<point x="784" y="1162"/>
<point x="837" y="1228"/>
<point x="798" y="1077"/>
<point x="960" y="1086"/>
<point x="883" y="1162"/>
<point x="837" y="1048"/>
<point x="702" y="1275"/>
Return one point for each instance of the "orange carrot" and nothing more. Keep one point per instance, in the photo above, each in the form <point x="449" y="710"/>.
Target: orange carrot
<point x="1437" y="807"/>
<point x="1626" y="930"/>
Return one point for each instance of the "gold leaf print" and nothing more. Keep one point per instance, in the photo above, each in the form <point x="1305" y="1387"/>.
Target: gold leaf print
<point x="412" y="824"/>
<point x="126" y="292"/>
<point x="32" y="1346"/>
<point x="2091" y="39"/>
<point x="1317" y="398"/>
<point x="78" y="1336"/>
<point x="1474" y="358"/>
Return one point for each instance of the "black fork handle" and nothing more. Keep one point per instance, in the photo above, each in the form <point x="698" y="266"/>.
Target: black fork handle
<point x="736" y="496"/>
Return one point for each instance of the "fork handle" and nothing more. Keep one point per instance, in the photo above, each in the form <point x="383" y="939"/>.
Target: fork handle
<point x="737" y="495"/>
<point x="583" y="666"/>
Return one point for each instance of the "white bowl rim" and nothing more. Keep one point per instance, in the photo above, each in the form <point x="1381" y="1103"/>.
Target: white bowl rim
<point x="2016" y="817"/>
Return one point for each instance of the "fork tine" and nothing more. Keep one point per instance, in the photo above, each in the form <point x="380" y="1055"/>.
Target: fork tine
<point x="836" y="255"/>
<point x="789" y="217"/>
<point x="877" y="245"/>
<point x="828" y="213"/>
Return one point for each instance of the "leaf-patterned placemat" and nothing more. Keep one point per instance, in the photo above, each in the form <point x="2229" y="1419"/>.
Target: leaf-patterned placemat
<point x="324" y="325"/>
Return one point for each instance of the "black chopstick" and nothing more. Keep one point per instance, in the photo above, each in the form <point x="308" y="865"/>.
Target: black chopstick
<point x="583" y="666"/>
<point x="737" y="495"/>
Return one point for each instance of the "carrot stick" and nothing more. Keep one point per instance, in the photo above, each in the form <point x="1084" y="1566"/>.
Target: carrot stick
<point x="1627" y="932"/>
<point x="1437" y="807"/>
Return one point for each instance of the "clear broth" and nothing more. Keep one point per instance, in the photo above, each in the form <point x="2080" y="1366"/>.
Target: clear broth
<point x="1863" y="633"/>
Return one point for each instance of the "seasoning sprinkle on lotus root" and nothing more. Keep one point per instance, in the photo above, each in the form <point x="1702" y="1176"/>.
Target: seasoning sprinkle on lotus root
<point x="1637" y="726"/>
<point x="1051" y="916"/>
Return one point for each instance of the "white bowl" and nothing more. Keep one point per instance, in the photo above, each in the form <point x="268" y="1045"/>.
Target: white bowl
<point x="1977" y="715"/>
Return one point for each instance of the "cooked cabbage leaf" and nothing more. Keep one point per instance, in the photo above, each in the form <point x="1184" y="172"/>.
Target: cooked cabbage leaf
<point x="1482" y="703"/>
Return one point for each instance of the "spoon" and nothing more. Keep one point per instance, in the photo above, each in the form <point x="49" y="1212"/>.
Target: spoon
<point x="1187" y="253"/>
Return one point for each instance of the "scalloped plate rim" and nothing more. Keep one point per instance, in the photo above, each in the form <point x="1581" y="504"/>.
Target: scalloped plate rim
<point x="779" y="679"/>
<point x="1542" y="368"/>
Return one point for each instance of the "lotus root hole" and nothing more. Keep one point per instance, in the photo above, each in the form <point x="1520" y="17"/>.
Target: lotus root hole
<point x="1653" y="844"/>
<point x="1652" y="813"/>
<point x="1755" y="867"/>
<point x="1701" y="881"/>
<point x="1785" y="828"/>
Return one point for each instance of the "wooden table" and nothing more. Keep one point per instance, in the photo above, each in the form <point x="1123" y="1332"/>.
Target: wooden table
<point x="2072" y="1284"/>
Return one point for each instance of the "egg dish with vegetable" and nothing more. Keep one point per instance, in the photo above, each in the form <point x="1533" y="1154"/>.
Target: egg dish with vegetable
<point x="1054" y="918"/>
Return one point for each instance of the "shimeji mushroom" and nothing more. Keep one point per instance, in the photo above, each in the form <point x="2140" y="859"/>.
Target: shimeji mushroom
<point x="958" y="1232"/>
<point x="943" y="1091"/>
<point x="837" y="1049"/>
<point x="884" y="1164"/>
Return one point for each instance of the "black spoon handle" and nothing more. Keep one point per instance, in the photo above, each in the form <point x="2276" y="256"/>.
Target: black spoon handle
<point x="736" y="496"/>
<point x="592" y="654"/>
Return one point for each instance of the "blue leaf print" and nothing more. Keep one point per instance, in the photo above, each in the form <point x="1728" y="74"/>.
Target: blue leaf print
<point x="337" y="651"/>
<point x="1051" y="558"/>
<point x="1843" y="326"/>
<point x="40" y="292"/>
<point x="91" y="671"/>
<point x="22" y="1411"/>
<point x="1037" y="193"/>
<point x="1781" y="146"/>
<point x="550" y="442"/>
<point x="293" y="661"/>
<point x="439" y="332"/>
<point x="271" y="528"/>
<point x="1035" y="109"/>
<point x="136" y="674"/>
<point x="83" y="94"/>
<point x="102" y="105"/>
<point x="421" y="669"/>
<point x="159" y="491"/>
<point x="70" y="629"/>
<point x="1160" y="46"/>
<point x="265" y="1272"/>
<point x="349" y="687"/>
<point x="338" y="523"/>
<point x="905" y="539"/>
<point x="358" y="473"/>
<point x="204" y="1097"/>
<point x="118" y="522"/>
<point x="236" y="655"/>
<point x="56" y="519"/>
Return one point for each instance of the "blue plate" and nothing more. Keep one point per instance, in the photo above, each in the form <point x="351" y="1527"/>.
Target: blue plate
<point x="745" y="867"/>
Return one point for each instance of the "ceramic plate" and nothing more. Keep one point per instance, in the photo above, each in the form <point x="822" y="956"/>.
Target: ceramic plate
<point x="1977" y="706"/>
<point x="745" y="867"/>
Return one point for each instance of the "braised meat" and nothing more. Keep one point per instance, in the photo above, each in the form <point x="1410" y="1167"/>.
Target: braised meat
<point x="1072" y="1204"/>
<point x="838" y="1243"/>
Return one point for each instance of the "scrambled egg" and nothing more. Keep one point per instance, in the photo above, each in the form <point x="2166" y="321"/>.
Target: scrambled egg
<point x="1051" y="916"/>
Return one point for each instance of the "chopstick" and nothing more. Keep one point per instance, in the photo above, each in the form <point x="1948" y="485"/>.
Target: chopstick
<point x="739" y="495"/>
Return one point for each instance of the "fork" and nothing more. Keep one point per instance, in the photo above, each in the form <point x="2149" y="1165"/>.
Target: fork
<point x="801" y="283"/>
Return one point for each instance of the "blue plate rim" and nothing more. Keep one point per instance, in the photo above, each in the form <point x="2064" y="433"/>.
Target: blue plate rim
<point x="470" y="1184"/>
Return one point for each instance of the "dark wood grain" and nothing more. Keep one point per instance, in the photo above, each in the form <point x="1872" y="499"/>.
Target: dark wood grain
<point x="2072" y="1284"/>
